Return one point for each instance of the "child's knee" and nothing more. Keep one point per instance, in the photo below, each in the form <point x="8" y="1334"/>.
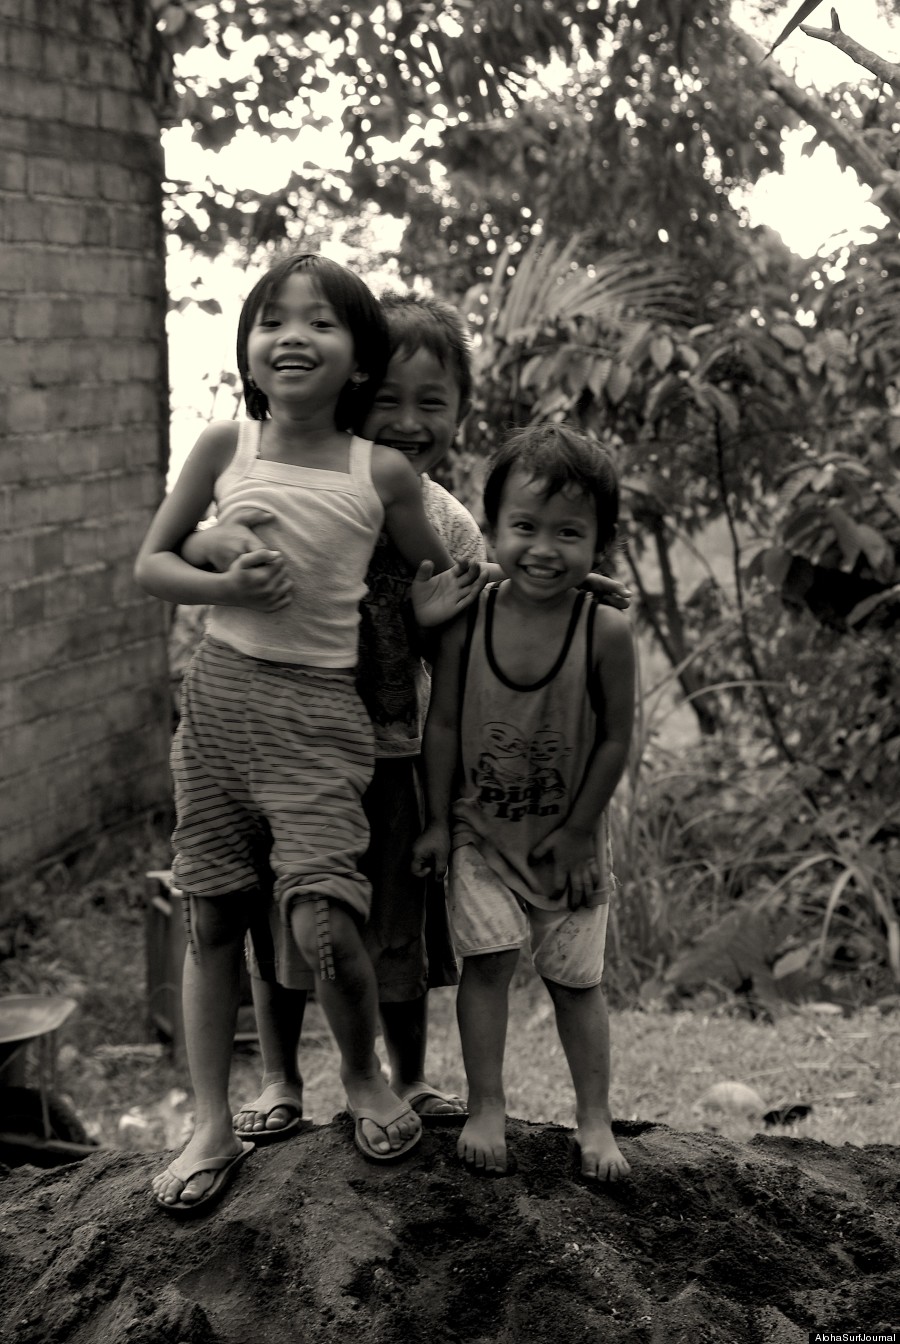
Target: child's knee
<point x="492" y="968"/>
<point x="344" y="937"/>
<point x="217" y="921"/>
<point x="574" y="994"/>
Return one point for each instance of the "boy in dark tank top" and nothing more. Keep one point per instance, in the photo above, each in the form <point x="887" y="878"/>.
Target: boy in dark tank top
<point x="527" y="737"/>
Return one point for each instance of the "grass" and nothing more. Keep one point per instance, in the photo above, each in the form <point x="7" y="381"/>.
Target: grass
<point x="81" y="933"/>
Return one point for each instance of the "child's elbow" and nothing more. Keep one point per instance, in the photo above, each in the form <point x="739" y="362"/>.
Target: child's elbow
<point x="143" y="573"/>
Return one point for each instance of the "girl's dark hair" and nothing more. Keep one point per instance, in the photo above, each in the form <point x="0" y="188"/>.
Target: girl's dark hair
<point x="355" y="305"/>
<point x="558" y="456"/>
<point x="416" y="322"/>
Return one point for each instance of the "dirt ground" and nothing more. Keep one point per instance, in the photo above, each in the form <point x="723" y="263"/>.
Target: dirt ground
<point x="708" y="1242"/>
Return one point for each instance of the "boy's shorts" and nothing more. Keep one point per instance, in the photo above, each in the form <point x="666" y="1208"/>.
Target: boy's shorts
<point x="395" y="936"/>
<point x="567" y="946"/>
<point x="270" y="750"/>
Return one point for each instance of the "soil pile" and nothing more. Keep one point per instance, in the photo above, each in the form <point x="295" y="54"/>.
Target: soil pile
<point x="708" y="1242"/>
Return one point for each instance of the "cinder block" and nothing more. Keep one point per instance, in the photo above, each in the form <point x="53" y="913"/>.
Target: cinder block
<point x="81" y="106"/>
<point x="13" y="170"/>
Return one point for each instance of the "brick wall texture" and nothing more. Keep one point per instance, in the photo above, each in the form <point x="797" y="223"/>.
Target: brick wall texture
<point x="83" y="418"/>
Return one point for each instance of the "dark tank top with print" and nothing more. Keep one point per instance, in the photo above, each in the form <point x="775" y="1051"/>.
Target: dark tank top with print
<point x="524" y="751"/>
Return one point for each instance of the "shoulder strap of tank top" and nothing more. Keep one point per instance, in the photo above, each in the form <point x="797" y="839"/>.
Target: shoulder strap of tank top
<point x="361" y="461"/>
<point x="484" y="602"/>
<point x="247" y="451"/>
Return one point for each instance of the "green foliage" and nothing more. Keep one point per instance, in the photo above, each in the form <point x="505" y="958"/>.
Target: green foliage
<point x="658" y="119"/>
<point x="586" y="223"/>
<point x="721" y="827"/>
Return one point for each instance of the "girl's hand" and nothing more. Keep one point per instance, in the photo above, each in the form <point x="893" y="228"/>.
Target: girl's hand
<point x="437" y="598"/>
<point x="219" y="546"/>
<point x="610" y="592"/>
<point x="432" y="850"/>
<point x="575" y="868"/>
<point x="257" y="580"/>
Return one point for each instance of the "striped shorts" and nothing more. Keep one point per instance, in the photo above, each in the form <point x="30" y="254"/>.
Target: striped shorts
<point x="270" y="753"/>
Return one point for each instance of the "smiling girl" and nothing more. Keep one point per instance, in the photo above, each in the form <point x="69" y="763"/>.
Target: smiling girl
<point x="273" y="744"/>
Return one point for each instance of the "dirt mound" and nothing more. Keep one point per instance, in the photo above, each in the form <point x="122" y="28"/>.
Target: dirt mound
<point x="707" y="1241"/>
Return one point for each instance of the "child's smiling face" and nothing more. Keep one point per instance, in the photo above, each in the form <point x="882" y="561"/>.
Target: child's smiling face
<point x="298" y="347"/>
<point x="416" y="409"/>
<point x="544" y="545"/>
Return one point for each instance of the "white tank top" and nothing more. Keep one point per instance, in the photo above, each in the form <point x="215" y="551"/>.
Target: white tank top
<point x="325" y="525"/>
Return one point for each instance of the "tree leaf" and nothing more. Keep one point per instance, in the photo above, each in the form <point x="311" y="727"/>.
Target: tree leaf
<point x="788" y="335"/>
<point x="618" y="382"/>
<point x="776" y="564"/>
<point x="802" y="13"/>
<point x="877" y="551"/>
<point x="847" y="533"/>
<point x="661" y="352"/>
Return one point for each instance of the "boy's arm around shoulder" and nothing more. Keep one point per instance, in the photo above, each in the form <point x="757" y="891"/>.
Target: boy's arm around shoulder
<point x="439" y="751"/>
<point x="438" y="598"/>
<point x="405" y="520"/>
<point x="614" y="664"/>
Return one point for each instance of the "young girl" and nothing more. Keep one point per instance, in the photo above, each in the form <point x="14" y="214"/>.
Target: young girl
<point x="273" y="745"/>
<point x="526" y="739"/>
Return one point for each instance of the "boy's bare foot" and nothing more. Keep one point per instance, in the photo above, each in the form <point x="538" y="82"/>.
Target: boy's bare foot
<point x="372" y="1097"/>
<point x="185" y="1181"/>
<point x="600" y="1155"/>
<point x="482" y="1143"/>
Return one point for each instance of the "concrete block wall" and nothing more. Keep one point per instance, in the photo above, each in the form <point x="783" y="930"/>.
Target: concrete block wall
<point x="84" y="710"/>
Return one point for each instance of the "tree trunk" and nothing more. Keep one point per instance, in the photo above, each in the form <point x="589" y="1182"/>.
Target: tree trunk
<point x="670" y="633"/>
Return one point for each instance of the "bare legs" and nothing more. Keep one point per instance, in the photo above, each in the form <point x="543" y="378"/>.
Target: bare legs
<point x="210" y="997"/>
<point x="583" y="1025"/>
<point x="279" y="1023"/>
<point x="482" y="1010"/>
<point x="350" y="1005"/>
<point x="279" y="1018"/>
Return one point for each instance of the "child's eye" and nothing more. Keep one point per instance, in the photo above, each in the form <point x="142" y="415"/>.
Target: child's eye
<point x="434" y="405"/>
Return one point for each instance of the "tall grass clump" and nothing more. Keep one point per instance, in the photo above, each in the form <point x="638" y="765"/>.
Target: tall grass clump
<point x="728" y="823"/>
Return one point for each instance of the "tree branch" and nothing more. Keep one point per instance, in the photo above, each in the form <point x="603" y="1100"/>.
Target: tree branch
<point x="746" y="637"/>
<point x="880" y="68"/>
<point x="849" y="146"/>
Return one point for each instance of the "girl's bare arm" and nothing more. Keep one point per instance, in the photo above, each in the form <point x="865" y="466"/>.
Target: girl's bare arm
<point x="405" y="520"/>
<point x="439" y="752"/>
<point x="159" y="567"/>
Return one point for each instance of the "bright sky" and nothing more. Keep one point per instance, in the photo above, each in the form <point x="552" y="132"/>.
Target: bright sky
<point x="812" y="204"/>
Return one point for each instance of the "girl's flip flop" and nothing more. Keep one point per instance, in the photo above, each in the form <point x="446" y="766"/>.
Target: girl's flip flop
<point x="224" y="1167"/>
<point x="382" y="1119"/>
<point x="420" y="1094"/>
<point x="285" y="1095"/>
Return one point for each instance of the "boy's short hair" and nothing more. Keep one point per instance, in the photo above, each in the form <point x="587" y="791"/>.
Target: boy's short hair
<point x="355" y="305"/>
<point x="417" y="321"/>
<point x="560" y="456"/>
